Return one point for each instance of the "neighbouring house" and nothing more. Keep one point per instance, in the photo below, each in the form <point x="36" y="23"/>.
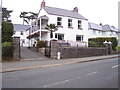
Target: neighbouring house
<point x="99" y="30"/>
<point x="20" y="31"/>
<point x="72" y="26"/>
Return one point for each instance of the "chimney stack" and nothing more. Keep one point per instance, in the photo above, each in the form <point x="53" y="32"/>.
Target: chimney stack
<point x="75" y="9"/>
<point x="101" y="24"/>
<point x="43" y="4"/>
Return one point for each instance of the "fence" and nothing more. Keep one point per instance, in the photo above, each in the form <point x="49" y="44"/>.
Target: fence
<point x="68" y="43"/>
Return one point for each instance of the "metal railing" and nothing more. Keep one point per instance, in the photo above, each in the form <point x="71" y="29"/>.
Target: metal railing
<point x="68" y="43"/>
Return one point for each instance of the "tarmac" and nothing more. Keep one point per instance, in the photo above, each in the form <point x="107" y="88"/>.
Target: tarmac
<point x="34" y="64"/>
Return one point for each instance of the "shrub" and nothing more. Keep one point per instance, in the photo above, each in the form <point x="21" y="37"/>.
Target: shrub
<point x="41" y="44"/>
<point x="7" y="32"/>
<point x="7" y="50"/>
<point x="118" y="48"/>
<point x="99" y="41"/>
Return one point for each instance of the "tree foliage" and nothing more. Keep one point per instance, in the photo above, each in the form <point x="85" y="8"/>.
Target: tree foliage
<point x="27" y="16"/>
<point x="6" y="14"/>
<point x="7" y="31"/>
<point x="52" y="28"/>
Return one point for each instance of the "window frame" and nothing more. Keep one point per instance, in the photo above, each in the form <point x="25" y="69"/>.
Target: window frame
<point x="21" y="33"/>
<point x="59" y="20"/>
<point x="80" y="24"/>
<point x="80" y="36"/>
<point x="57" y="36"/>
<point x="70" y="23"/>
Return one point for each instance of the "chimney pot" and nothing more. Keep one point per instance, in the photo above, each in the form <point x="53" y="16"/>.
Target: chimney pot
<point x="43" y="4"/>
<point x="75" y="9"/>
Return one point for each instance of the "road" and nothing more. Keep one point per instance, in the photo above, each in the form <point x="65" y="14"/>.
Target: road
<point x="96" y="74"/>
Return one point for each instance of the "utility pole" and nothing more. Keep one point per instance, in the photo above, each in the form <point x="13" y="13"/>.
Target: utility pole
<point x="0" y="30"/>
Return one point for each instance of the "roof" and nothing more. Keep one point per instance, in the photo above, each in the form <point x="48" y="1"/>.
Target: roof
<point x="102" y="27"/>
<point x="94" y="26"/>
<point x="63" y="12"/>
<point x="20" y="27"/>
<point x="110" y="28"/>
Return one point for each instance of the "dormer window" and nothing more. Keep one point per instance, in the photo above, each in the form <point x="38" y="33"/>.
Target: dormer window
<point x="59" y="21"/>
<point x="79" y="24"/>
<point x="70" y="23"/>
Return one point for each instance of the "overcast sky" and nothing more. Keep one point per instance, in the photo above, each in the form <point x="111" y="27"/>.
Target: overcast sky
<point x="96" y="11"/>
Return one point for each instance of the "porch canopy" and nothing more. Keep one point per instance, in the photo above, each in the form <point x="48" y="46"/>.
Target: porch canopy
<point x="44" y="17"/>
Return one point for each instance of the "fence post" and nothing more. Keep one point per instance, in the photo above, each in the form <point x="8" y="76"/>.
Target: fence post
<point x="16" y="54"/>
<point x="54" y="49"/>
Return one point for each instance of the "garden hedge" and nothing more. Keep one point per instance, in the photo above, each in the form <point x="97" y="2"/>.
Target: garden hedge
<point x="98" y="42"/>
<point x="7" y="50"/>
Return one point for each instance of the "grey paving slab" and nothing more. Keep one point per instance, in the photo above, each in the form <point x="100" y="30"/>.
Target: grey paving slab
<point x="23" y="64"/>
<point x="28" y="54"/>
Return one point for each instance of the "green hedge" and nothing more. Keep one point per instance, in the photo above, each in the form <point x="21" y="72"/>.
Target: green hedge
<point x="7" y="50"/>
<point x="41" y="44"/>
<point x="118" y="48"/>
<point x="98" y="42"/>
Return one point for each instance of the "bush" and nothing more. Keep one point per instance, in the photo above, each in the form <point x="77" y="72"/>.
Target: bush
<point x="7" y="32"/>
<point x="118" y="48"/>
<point x="41" y="44"/>
<point x="7" y="50"/>
<point x="99" y="41"/>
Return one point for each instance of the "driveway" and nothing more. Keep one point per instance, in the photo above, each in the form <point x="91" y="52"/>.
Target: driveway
<point x="28" y="54"/>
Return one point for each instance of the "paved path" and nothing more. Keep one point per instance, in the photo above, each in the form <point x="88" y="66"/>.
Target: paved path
<point x="27" y="65"/>
<point x="28" y="54"/>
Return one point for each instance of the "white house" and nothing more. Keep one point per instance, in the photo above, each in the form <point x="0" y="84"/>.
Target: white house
<point x="72" y="26"/>
<point x="20" y="31"/>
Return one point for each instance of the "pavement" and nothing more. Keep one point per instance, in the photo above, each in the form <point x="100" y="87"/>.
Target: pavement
<point x="33" y="64"/>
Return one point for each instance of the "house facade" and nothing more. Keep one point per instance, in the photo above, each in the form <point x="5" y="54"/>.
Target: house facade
<point x="72" y="27"/>
<point x="20" y="31"/>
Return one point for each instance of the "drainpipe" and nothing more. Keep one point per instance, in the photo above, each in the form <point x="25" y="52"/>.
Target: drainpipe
<point x="40" y="30"/>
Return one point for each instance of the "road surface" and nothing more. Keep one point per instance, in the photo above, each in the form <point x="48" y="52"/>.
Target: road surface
<point x="96" y="74"/>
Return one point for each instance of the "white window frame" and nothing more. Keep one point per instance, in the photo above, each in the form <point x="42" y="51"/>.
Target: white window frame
<point x="57" y="36"/>
<point x="59" y="21"/>
<point x="70" y="22"/>
<point x="81" y="37"/>
<point x="79" y="24"/>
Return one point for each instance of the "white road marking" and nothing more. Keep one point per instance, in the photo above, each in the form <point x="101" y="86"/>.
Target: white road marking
<point x="61" y="82"/>
<point x="92" y="73"/>
<point x="56" y="83"/>
<point x="115" y="66"/>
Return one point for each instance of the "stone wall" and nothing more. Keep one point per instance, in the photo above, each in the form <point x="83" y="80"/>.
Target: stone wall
<point x="76" y="52"/>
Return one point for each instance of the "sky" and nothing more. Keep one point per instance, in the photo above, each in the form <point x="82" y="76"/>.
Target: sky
<point x="96" y="11"/>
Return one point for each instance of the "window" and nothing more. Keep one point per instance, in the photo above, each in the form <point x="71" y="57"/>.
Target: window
<point x="79" y="24"/>
<point x="79" y="38"/>
<point x="59" y="21"/>
<point x="21" y="33"/>
<point x="59" y="36"/>
<point x="69" y="22"/>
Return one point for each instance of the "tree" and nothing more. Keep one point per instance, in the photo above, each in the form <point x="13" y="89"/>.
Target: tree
<point x="52" y="28"/>
<point x="24" y="16"/>
<point x="27" y="16"/>
<point x="7" y="26"/>
<point x="7" y="31"/>
<point x="6" y="14"/>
